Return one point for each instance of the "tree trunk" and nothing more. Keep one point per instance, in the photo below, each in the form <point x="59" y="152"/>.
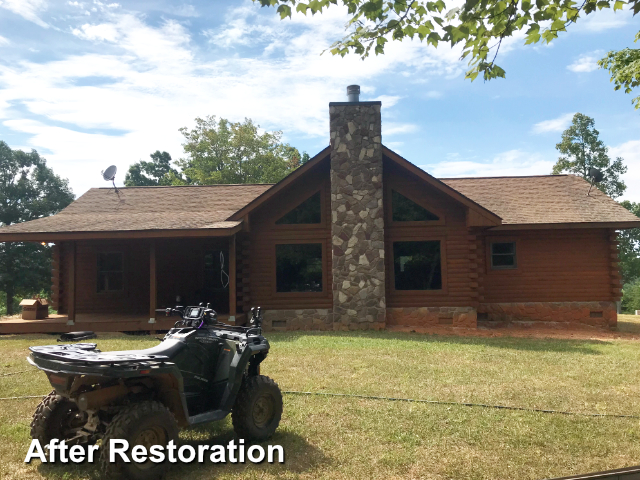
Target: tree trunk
<point x="10" y="293"/>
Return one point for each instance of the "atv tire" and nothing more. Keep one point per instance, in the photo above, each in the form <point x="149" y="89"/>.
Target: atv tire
<point x="258" y="408"/>
<point x="146" y="423"/>
<point x="54" y="417"/>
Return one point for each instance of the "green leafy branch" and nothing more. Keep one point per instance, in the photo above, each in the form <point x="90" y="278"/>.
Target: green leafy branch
<point x="479" y="25"/>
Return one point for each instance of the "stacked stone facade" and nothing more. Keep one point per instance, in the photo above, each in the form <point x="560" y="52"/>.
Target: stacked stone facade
<point x="357" y="223"/>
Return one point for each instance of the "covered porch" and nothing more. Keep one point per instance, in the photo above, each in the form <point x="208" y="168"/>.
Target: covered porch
<point x="124" y="284"/>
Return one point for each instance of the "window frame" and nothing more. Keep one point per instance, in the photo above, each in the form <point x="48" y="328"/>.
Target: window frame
<point x="388" y="200"/>
<point x="325" y="272"/>
<point x="297" y="226"/>
<point x="503" y="268"/>
<point x="391" y="266"/>
<point x="99" y="272"/>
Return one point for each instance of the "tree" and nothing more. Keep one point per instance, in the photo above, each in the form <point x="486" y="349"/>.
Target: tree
<point x="631" y="297"/>
<point x="220" y="151"/>
<point x="581" y="150"/>
<point x="624" y="67"/>
<point x="629" y="248"/>
<point x="479" y="25"/>
<point x="156" y="172"/>
<point x="28" y="190"/>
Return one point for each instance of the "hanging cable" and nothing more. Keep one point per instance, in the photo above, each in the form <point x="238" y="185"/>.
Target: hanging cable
<point x="223" y="274"/>
<point x="460" y="404"/>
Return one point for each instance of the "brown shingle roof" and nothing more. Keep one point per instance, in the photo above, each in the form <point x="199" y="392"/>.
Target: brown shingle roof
<point x="553" y="199"/>
<point x="147" y="208"/>
<point x="549" y="199"/>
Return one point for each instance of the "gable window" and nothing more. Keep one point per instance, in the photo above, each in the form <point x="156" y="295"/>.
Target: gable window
<point x="503" y="255"/>
<point x="110" y="272"/>
<point x="417" y="265"/>
<point x="405" y="210"/>
<point x="299" y="267"/>
<point x="305" y="213"/>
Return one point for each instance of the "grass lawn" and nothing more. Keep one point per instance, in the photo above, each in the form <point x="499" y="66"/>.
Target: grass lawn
<point x="329" y="437"/>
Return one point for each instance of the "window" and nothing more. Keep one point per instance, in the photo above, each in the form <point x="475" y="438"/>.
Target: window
<point x="503" y="255"/>
<point x="405" y="210"/>
<point x="417" y="265"/>
<point x="299" y="267"/>
<point x="305" y="213"/>
<point x="110" y="272"/>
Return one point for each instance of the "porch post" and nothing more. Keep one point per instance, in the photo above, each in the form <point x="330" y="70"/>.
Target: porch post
<point x="153" y="283"/>
<point x="71" y="285"/>
<point x="232" y="279"/>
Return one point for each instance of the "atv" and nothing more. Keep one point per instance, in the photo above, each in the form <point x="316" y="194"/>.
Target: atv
<point x="200" y="372"/>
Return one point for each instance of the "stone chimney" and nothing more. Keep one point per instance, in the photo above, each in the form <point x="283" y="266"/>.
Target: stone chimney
<point x="357" y="223"/>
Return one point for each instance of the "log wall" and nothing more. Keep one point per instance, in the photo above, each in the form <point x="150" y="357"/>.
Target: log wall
<point x="264" y="235"/>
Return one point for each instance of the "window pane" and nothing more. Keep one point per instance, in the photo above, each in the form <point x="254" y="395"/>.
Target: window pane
<point x="503" y="255"/>
<point x="405" y="210"/>
<point x="115" y="280"/>
<point x="110" y="262"/>
<point x="504" y="261"/>
<point x="417" y="265"/>
<point x="503" y="248"/>
<point x="299" y="267"/>
<point x="110" y="277"/>
<point x="102" y="282"/>
<point x="307" y="212"/>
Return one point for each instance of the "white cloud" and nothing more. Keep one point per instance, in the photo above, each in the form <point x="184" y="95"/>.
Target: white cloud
<point x="587" y="62"/>
<point x="602" y="20"/>
<point x="509" y="163"/>
<point x="160" y="81"/>
<point x="554" y="125"/>
<point x="185" y="10"/>
<point x="630" y="151"/>
<point x="4" y="41"/>
<point x="27" y="9"/>
<point x="104" y="32"/>
<point x="390" y="129"/>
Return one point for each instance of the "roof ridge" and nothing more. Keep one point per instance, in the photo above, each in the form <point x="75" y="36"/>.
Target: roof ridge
<point x="193" y="186"/>
<point x="507" y="176"/>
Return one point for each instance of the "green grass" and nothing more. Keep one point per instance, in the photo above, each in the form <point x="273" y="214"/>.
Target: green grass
<point x="329" y="437"/>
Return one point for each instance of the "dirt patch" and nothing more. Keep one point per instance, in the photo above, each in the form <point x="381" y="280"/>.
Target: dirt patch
<point x="628" y="329"/>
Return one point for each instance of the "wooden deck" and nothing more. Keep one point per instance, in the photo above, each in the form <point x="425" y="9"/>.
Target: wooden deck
<point x="96" y="322"/>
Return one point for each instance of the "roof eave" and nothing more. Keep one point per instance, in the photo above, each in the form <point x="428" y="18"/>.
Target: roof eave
<point x="121" y="234"/>
<point x="489" y="218"/>
<point x="256" y="202"/>
<point x="567" y="225"/>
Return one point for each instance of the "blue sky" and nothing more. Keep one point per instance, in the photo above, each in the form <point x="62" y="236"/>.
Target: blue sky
<point x="91" y="83"/>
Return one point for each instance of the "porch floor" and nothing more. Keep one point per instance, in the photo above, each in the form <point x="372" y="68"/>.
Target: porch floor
<point x="101" y="322"/>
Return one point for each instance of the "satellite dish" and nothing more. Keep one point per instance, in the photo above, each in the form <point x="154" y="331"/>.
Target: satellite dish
<point x="110" y="173"/>
<point x="596" y="175"/>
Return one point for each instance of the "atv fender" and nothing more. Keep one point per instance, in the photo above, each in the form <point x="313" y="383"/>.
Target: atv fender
<point x="236" y="373"/>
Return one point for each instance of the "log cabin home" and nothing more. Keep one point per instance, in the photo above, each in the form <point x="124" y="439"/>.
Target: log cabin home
<point x="356" y="238"/>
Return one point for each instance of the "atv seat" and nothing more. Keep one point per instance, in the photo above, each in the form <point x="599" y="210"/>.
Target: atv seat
<point x="169" y="348"/>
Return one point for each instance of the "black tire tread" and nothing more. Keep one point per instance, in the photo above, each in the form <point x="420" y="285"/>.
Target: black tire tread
<point x="242" y="405"/>
<point x="118" y="427"/>
<point x="41" y="416"/>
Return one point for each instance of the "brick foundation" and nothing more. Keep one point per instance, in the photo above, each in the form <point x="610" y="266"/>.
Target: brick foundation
<point x="461" y="317"/>
<point x="310" y="319"/>
<point x="307" y="319"/>
<point x="593" y="314"/>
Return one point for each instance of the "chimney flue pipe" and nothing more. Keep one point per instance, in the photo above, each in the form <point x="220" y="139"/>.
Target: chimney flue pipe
<point x="353" y="93"/>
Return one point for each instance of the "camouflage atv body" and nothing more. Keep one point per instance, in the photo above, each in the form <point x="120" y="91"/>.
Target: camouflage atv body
<point x="200" y="372"/>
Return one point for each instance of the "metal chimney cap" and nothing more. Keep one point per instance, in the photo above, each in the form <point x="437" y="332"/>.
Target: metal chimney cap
<point x="353" y="93"/>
